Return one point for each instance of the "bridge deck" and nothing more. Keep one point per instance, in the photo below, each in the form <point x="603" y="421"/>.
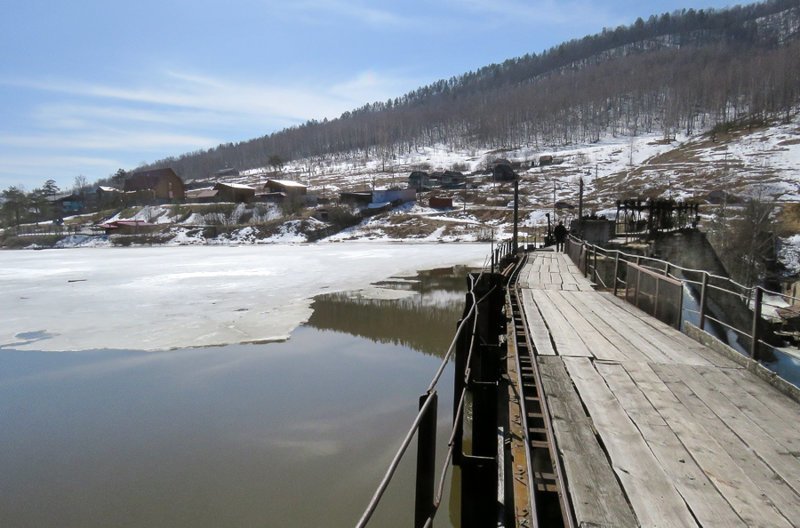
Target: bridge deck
<point x="654" y="429"/>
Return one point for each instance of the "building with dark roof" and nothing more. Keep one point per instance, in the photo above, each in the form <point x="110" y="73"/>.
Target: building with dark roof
<point x="165" y="185"/>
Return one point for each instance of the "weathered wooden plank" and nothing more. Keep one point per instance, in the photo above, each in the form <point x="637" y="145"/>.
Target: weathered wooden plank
<point x="761" y="415"/>
<point x="679" y="337"/>
<point x="671" y="350"/>
<point x="555" y="278"/>
<point x="708" y="506"/>
<point x="775" y="455"/>
<point x="735" y="484"/>
<point x="592" y="303"/>
<point x="623" y="346"/>
<point x="566" y="341"/>
<point x="596" y="342"/>
<point x="596" y="495"/>
<point x="765" y="393"/>
<point x="783" y="497"/>
<point x="650" y="491"/>
<point x="537" y="329"/>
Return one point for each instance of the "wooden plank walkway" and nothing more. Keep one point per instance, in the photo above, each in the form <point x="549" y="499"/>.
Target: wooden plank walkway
<point x="653" y="428"/>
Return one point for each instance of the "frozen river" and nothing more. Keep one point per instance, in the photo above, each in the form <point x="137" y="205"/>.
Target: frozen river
<point x="175" y="297"/>
<point x="294" y="433"/>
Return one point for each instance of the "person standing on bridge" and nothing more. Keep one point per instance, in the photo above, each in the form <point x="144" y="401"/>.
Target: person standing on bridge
<point x="560" y="232"/>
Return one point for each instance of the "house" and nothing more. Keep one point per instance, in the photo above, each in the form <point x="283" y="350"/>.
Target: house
<point x="234" y="192"/>
<point x="287" y="187"/>
<point x="419" y="180"/>
<point x="109" y="196"/>
<point x="502" y="171"/>
<point x="206" y="195"/>
<point x="72" y="203"/>
<point x="452" y="179"/>
<point x="165" y="185"/>
<point x="545" y="160"/>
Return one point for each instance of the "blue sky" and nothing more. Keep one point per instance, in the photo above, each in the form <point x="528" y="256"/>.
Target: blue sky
<point x="90" y="86"/>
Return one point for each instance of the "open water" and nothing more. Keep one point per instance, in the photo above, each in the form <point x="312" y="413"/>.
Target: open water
<point x="296" y="433"/>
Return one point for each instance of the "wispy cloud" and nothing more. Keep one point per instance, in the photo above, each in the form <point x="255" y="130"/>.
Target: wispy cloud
<point x="542" y="12"/>
<point x="359" y="12"/>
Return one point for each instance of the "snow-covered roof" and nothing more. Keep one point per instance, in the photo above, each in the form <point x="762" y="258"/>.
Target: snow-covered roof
<point x="108" y="189"/>
<point x="235" y="186"/>
<point x="287" y="183"/>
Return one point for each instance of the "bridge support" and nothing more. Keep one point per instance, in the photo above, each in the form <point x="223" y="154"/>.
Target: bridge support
<point x="479" y="356"/>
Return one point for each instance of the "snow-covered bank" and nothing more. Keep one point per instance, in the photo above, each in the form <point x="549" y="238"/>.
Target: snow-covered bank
<point x="166" y="297"/>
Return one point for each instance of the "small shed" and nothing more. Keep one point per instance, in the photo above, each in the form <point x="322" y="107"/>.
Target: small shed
<point x="440" y="202"/>
<point x="547" y="159"/>
<point x="234" y="192"/>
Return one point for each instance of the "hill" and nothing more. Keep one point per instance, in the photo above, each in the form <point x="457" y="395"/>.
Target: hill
<point x="684" y="71"/>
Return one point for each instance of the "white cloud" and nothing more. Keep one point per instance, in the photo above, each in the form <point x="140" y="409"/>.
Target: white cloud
<point x="365" y="14"/>
<point x="573" y="13"/>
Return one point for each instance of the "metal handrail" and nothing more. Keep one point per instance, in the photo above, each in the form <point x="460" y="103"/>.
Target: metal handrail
<point x="472" y="313"/>
<point x="753" y="296"/>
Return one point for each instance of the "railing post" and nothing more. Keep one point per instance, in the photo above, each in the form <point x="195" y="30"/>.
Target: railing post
<point x="426" y="460"/>
<point x="616" y="271"/>
<point x="594" y="264"/>
<point x="585" y="260"/>
<point x="703" y="301"/>
<point x="638" y="282"/>
<point x="756" y="322"/>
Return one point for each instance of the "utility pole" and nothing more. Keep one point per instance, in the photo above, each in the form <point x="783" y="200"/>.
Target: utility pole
<point x="580" y="209"/>
<point x="516" y="214"/>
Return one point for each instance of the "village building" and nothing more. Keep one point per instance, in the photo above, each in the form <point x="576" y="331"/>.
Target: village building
<point x="67" y="204"/>
<point x="288" y="187"/>
<point x="503" y="171"/>
<point x="163" y="184"/>
<point x="452" y="179"/>
<point x="440" y="202"/>
<point x="109" y="197"/>
<point x="234" y="192"/>
<point x="420" y="181"/>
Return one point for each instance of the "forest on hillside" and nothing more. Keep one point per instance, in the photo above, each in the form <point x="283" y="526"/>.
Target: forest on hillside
<point x="681" y="71"/>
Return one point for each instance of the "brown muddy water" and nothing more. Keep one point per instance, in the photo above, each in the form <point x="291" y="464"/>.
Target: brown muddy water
<point x="282" y="434"/>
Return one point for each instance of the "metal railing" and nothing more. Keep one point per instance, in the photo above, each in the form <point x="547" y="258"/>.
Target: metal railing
<point x="427" y="499"/>
<point x="731" y="306"/>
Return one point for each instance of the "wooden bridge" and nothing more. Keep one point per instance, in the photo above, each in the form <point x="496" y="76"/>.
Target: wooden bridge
<point x="646" y="426"/>
<point x="573" y="408"/>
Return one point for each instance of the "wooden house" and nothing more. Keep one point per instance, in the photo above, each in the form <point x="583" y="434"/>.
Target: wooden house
<point x="234" y="192"/>
<point x="288" y="187"/>
<point x="165" y="185"/>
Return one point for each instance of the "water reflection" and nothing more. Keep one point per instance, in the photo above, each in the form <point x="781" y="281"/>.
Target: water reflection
<point x="281" y="434"/>
<point x="415" y="321"/>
